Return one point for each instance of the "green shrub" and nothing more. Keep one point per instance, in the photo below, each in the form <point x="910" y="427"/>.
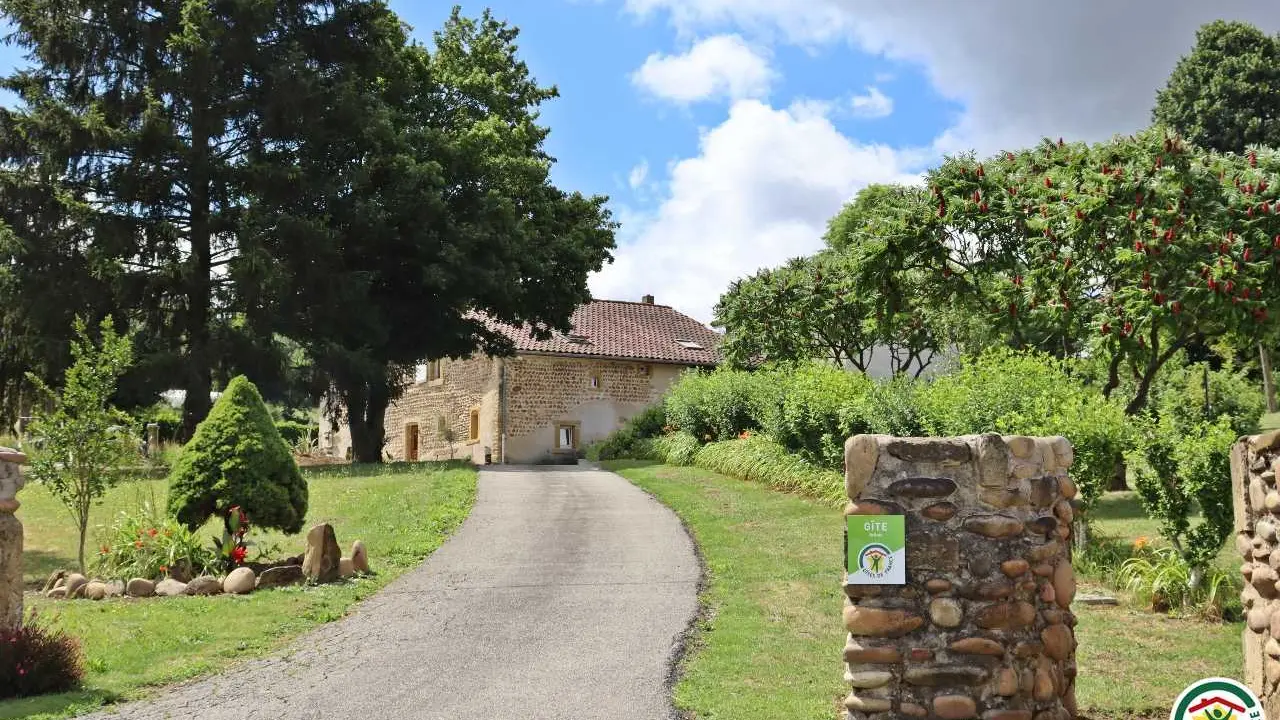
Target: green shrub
<point x="676" y="449"/>
<point x="1179" y="469"/>
<point x="629" y="441"/>
<point x="296" y="433"/>
<point x="164" y="415"/>
<point x="36" y="658"/>
<point x="237" y="458"/>
<point x="758" y="459"/>
<point x="145" y="544"/>
<point x="718" y="405"/>
<point x="819" y="407"/>
<point x="1031" y="394"/>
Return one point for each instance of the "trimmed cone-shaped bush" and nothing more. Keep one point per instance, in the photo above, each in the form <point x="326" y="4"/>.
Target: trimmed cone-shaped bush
<point x="237" y="458"/>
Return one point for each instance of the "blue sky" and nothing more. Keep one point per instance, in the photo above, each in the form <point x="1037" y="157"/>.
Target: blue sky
<point x="727" y="132"/>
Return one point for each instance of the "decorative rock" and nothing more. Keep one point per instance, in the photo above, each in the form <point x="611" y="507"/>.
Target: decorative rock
<point x="1014" y="568"/>
<point x="945" y="612"/>
<point x="1096" y="600"/>
<point x="1006" y="682"/>
<point x="868" y="679"/>
<point x="204" y="585"/>
<point x="1067" y="487"/>
<point x="1064" y="584"/>
<point x="856" y="703"/>
<point x="1006" y="616"/>
<point x="954" y="707"/>
<point x="78" y="592"/>
<point x="359" y="557"/>
<point x="858" y="592"/>
<point x="923" y="487"/>
<point x="1027" y="649"/>
<point x="140" y="588"/>
<point x="1044" y="491"/>
<point x="1058" y="642"/>
<point x="1272" y="648"/>
<point x="1272" y="501"/>
<point x="1051" y="616"/>
<point x="1047" y="526"/>
<point x="280" y="576"/>
<point x="993" y="461"/>
<point x="1042" y="570"/>
<point x="320" y="564"/>
<point x="75" y="581"/>
<point x="1062" y="510"/>
<point x="1020" y="445"/>
<point x="913" y="710"/>
<point x="1244" y="544"/>
<point x="1047" y="593"/>
<point x="940" y="553"/>
<point x="1043" y="689"/>
<point x="1266" y="530"/>
<point x="860" y="455"/>
<point x="994" y="526"/>
<point x="115" y="589"/>
<point x="54" y="578"/>
<point x="941" y="512"/>
<point x="95" y="590"/>
<point x="994" y="590"/>
<point x="856" y="653"/>
<point x="240" y="581"/>
<point x="170" y="588"/>
<point x="878" y="622"/>
<point x="1002" y="498"/>
<point x="977" y="646"/>
<point x="937" y="585"/>
<point x="920" y="655"/>
<point x="929" y="450"/>
<point x="945" y="675"/>
<point x="864" y="508"/>
<point x="1259" y="618"/>
<point x="57" y="593"/>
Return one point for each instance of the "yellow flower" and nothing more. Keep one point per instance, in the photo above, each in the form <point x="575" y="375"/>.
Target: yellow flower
<point x="1141" y="543"/>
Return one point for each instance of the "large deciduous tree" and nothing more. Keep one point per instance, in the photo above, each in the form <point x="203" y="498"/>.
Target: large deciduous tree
<point x="1137" y="247"/>
<point x="1225" y="95"/>
<point x="420" y="189"/>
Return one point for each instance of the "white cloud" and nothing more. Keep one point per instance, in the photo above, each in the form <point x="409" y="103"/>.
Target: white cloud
<point x="718" y="66"/>
<point x="1022" y="71"/>
<point x="874" y="104"/>
<point x="638" y="175"/>
<point x="760" y="191"/>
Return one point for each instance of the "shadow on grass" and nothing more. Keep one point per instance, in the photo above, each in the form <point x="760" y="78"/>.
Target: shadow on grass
<point x="64" y="704"/>
<point x="39" y="564"/>
<point x="1118" y="506"/>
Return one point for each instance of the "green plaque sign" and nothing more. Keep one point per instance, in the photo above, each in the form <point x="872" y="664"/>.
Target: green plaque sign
<point x="875" y="550"/>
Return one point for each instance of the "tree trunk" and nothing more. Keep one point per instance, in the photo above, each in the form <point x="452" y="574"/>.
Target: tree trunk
<point x="84" y="530"/>
<point x="198" y="364"/>
<point x="366" y="415"/>
<point x="1268" y="383"/>
<point x="1119" y="478"/>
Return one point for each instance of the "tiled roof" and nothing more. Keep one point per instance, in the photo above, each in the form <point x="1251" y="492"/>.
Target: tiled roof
<point x="627" y="330"/>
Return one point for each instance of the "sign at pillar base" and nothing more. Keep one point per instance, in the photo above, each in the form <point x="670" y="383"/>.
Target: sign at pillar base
<point x="875" y="550"/>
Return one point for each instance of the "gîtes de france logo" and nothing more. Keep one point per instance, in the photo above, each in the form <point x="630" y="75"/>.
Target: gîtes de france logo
<point x="1217" y="699"/>
<point x="875" y="560"/>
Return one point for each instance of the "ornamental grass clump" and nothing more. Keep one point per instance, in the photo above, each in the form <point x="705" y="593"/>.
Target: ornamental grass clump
<point x="238" y="460"/>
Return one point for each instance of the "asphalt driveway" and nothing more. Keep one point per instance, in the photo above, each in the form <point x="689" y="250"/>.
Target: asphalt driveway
<point x="564" y="595"/>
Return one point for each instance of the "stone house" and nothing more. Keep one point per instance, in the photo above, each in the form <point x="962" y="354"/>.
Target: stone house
<point x="553" y="397"/>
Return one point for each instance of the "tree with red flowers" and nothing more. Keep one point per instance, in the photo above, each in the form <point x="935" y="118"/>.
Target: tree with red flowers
<point x="1131" y="248"/>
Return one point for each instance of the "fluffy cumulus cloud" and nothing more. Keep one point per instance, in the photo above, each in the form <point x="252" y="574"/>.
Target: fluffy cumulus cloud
<point x="716" y="67"/>
<point x="766" y="180"/>
<point x="872" y="104"/>
<point x="760" y="191"/>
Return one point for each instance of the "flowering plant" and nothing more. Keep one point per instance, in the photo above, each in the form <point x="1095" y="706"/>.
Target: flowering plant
<point x="232" y="547"/>
<point x="143" y="543"/>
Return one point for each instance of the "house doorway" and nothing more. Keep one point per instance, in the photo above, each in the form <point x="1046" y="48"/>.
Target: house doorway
<point x="411" y="442"/>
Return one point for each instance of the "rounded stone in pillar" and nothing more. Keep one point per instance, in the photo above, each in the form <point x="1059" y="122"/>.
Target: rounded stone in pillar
<point x="860" y="455"/>
<point x="955" y="707"/>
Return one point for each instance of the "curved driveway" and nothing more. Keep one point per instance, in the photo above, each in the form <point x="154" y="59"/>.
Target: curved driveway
<point x="563" y="596"/>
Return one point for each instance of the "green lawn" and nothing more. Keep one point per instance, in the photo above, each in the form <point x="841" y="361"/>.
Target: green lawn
<point x="402" y="513"/>
<point x="770" y="647"/>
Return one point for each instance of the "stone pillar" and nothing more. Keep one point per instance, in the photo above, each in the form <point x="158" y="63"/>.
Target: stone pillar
<point x="983" y="625"/>
<point x="10" y="538"/>
<point x="1254" y="463"/>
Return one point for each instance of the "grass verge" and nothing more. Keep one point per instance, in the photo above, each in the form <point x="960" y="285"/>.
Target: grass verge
<point x="770" y="645"/>
<point x="402" y="513"/>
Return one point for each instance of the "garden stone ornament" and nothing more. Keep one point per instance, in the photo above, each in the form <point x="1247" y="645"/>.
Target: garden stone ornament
<point x="10" y="479"/>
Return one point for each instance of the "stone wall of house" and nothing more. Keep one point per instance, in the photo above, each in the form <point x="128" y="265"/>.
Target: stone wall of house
<point x="983" y="626"/>
<point x="464" y="385"/>
<point x="545" y="391"/>
<point x="10" y="538"/>
<point x="1254" y="464"/>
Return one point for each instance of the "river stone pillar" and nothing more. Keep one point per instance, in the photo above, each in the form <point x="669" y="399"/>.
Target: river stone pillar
<point x="1256" y="500"/>
<point x="983" y="626"/>
<point x="10" y="538"/>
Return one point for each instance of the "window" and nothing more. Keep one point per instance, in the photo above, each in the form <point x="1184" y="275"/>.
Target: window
<point x="595" y="382"/>
<point x="434" y="373"/>
<point x="566" y="437"/>
<point x="441" y="425"/>
<point x="475" y="425"/>
<point x="411" y="442"/>
<point x="645" y="370"/>
<point x="689" y="345"/>
<point x="420" y="374"/>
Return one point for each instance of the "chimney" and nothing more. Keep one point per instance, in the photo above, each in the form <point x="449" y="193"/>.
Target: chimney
<point x="647" y="299"/>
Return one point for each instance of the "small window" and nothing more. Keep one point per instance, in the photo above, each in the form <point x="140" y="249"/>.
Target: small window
<point x="411" y="442"/>
<point x="420" y="374"/>
<point x="566" y="437"/>
<point x="434" y="371"/>
<point x="441" y="425"/>
<point x="475" y="426"/>
<point x="595" y="382"/>
<point x="645" y="370"/>
<point x="690" y="345"/>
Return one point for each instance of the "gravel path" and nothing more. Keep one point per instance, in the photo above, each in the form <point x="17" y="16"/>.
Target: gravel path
<point x="563" y="596"/>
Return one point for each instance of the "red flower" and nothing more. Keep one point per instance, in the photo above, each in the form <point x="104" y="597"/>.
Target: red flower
<point x="137" y="543"/>
<point x="105" y="549"/>
<point x="153" y="532"/>
<point x="164" y="568"/>
<point x="237" y="555"/>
